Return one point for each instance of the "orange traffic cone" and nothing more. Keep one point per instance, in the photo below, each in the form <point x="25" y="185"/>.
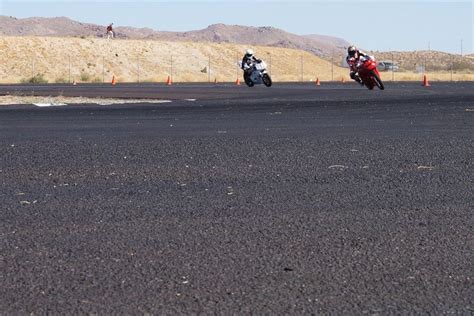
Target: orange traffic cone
<point x="169" y="82"/>
<point x="114" y="82"/>
<point x="318" y="83"/>
<point x="237" y="82"/>
<point x="426" y="82"/>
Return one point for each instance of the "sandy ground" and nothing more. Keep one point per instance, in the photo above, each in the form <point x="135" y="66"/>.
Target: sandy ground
<point x="7" y="100"/>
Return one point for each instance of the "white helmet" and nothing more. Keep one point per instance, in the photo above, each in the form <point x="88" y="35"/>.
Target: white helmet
<point x="249" y="52"/>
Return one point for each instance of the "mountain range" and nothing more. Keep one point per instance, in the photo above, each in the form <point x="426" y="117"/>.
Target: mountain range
<point x="320" y="45"/>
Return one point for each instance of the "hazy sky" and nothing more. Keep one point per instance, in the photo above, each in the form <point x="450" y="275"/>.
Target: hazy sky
<point x="377" y="25"/>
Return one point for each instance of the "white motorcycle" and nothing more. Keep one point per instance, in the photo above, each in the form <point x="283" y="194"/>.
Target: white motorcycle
<point x="259" y="74"/>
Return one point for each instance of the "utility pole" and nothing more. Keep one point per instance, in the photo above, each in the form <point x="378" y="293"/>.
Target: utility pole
<point x="103" y="69"/>
<point x="461" y="47"/>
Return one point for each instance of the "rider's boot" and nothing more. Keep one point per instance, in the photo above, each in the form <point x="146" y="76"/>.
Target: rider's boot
<point x="359" y="79"/>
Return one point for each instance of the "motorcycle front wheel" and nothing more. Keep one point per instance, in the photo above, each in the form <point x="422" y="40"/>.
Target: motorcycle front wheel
<point x="377" y="80"/>
<point x="248" y="81"/>
<point x="267" y="80"/>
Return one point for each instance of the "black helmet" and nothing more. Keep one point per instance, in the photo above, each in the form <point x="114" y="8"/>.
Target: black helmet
<point x="351" y="50"/>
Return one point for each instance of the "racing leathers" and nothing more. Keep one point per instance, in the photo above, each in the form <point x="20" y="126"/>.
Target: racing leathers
<point x="353" y="62"/>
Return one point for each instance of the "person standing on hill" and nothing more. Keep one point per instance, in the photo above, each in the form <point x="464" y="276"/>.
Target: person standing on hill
<point x="110" y="31"/>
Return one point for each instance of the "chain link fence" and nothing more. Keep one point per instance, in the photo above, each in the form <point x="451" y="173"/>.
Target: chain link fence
<point x="99" y="61"/>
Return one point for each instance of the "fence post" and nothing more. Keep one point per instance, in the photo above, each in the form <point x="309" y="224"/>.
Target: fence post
<point x="332" y="66"/>
<point x="270" y="60"/>
<point x="302" y="69"/>
<point x="424" y="66"/>
<point x="452" y="66"/>
<point x="393" y="65"/>
<point x="69" y="69"/>
<point x="171" y="68"/>
<point x="237" y="66"/>
<point x="138" y="69"/>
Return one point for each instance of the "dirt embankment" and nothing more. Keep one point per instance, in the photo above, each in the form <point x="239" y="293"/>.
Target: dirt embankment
<point x="95" y="60"/>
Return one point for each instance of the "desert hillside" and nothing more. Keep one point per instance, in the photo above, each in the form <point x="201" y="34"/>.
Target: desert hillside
<point x="96" y="59"/>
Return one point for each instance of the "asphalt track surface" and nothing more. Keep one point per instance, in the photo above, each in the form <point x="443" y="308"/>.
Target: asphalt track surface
<point x="289" y="200"/>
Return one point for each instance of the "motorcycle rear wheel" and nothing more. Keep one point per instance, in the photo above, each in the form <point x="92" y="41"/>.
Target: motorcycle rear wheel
<point x="377" y="80"/>
<point x="267" y="80"/>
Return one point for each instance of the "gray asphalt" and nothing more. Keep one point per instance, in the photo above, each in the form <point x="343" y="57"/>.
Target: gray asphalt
<point x="289" y="200"/>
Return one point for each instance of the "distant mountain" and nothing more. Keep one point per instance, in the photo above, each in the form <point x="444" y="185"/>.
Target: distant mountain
<point x="329" y="42"/>
<point x="219" y="33"/>
<point x="63" y="27"/>
<point x="60" y="26"/>
<point x="264" y="36"/>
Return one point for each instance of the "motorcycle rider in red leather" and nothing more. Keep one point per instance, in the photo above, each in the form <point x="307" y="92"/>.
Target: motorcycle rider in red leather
<point x="353" y="58"/>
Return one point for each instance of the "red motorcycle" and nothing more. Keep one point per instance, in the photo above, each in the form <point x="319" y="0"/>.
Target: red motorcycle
<point x="369" y="74"/>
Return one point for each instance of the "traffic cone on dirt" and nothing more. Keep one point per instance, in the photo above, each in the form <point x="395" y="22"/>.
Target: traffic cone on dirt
<point x="426" y="82"/>
<point x="318" y="83"/>
<point x="114" y="82"/>
<point x="237" y="82"/>
<point x="169" y="82"/>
